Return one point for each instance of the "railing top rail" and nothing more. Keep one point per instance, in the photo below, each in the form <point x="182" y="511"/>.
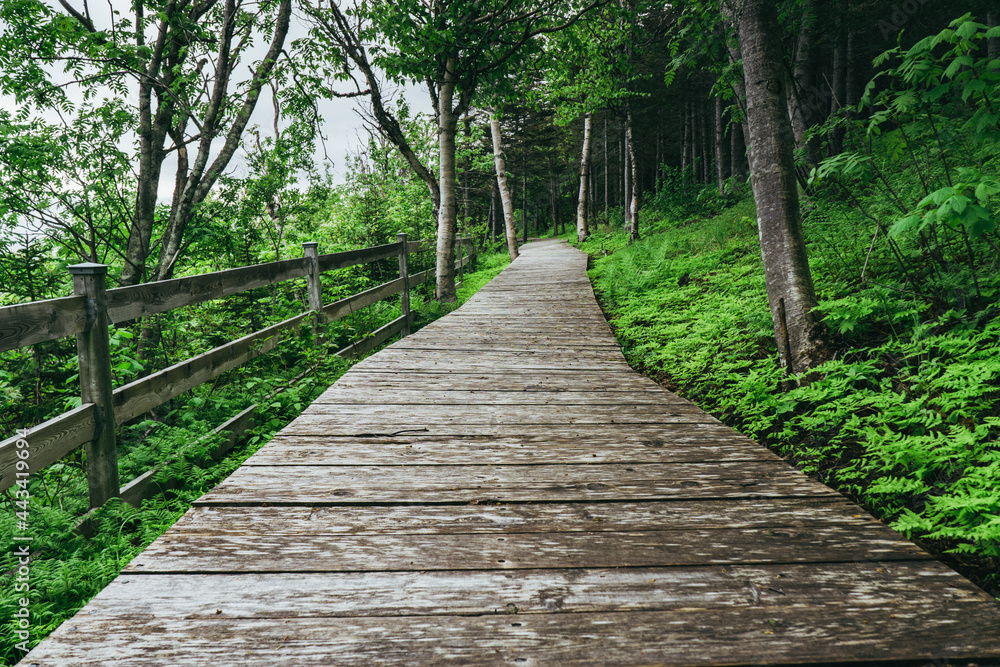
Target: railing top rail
<point x="342" y="260"/>
<point x="128" y="303"/>
<point x="39" y="321"/>
<point x="25" y="324"/>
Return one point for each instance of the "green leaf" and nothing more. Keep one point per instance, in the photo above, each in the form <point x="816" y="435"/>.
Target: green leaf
<point x="904" y="225"/>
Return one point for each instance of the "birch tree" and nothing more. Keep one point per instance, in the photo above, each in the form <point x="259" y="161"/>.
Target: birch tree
<point x="798" y="330"/>
<point x="505" y="200"/>
<point x="179" y="76"/>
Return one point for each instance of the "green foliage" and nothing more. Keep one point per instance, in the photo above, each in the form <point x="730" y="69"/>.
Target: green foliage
<point x="921" y="164"/>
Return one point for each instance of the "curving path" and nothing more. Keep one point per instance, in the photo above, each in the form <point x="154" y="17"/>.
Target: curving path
<point x="501" y="489"/>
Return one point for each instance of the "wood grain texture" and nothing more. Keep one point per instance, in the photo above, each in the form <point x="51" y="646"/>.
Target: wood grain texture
<point x="358" y="395"/>
<point x="446" y="592"/>
<point x="342" y="260"/>
<point x="128" y="303"/>
<point x="856" y="632"/>
<point x="29" y="323"/>
<point x="532" y="483"/>
<point x="521" y="518"/>
<point x="319" y="552"/>
<point x="47" y="443"/>
<point x="500" y="488"/>
<point x="344" y="307"/>
<point x="416" y="449"/>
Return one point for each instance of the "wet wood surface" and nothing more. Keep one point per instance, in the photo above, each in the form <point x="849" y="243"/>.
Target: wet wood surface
<point x="500" y="488"/>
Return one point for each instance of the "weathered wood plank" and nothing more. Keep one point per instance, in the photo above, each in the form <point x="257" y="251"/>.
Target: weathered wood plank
<point x="301" y="520"/>
<point x="29" y="323"/>
<point x="533" y="483"/>
<point x="313" y="422"/>
<point x="317" y="552"/>
<point x="146" y="393"/>
<point x="403" y="450"/>
<point x="572" y="358"/>
<point x="421" y="278"/>
<point x="342" y="260"/>
<point x="355" y="394"/>
<point x="756" y="635"/>
<point x="526" y="382"/>
<point x="47" y="443"/>
<point x="484" y="413"/>
<point x="344" y="307"/>
<point x="334" y="594"/>
<point x="128" y="303"/>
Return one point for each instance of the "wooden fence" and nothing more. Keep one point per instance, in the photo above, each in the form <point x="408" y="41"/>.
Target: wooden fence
<point x="92" y="308"/>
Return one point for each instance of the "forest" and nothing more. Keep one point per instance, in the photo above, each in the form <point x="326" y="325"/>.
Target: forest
<point x="790" y="209"/>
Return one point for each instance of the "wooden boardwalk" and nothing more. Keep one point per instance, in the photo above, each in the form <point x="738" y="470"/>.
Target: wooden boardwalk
<point x="501" y="489"/>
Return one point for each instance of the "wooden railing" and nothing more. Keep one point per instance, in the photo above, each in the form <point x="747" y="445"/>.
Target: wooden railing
<point x="88" y="313"/>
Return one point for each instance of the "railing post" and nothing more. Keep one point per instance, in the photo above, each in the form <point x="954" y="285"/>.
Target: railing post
<point x="404" y="273"/>
<point x="94" y="354"/>
<point x="310" y="249"/>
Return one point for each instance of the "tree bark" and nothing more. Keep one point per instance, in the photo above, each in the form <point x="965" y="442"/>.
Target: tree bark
<point x="633" y="202"/>
<point x="448" y="214"/>
<point x="524" y="198"/>
<point x="193" y="187"/>
<point x="606" y="219"/>
<point x="553" y="201"/>
<point x="798" y="331"/>
<point x="686" y="138"/>
<point x="582" y="230"/>
<point x="508" y="205"/>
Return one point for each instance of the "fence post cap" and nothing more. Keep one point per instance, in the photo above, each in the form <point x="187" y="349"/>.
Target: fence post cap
<point x="88" y="269"/>
<point x="310" y="244"/>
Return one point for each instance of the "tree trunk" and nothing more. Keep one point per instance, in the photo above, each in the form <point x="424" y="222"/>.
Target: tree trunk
<point x="721" y="148"/>
<point x="448" y="215"/>
<point x="524" y="197"/>
<point x="627" y="171"/>
<point x="606" y="219"/>
<point x="508" y="205"/>
<point x="707" y="150"/>
<point x="554" y="199"/>
<point x="792" y="299"/>
<point x="686" y="138"/>
<point x="633" y="203"/>
<point x="582" y="230"/>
